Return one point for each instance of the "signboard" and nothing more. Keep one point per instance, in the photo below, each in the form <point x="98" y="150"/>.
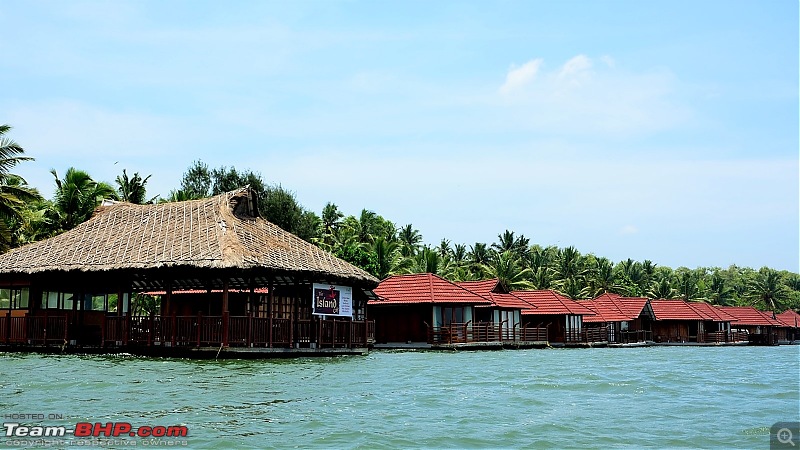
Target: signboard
<point x="332" y="300"/>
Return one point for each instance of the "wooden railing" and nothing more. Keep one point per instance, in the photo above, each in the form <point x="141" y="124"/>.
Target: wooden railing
<point x="630" y="336"/>
<point x="234" y="331"/>
<point x="587" y="335"/>
<point x="41" y="330"/>
<point x="463" y="333"/>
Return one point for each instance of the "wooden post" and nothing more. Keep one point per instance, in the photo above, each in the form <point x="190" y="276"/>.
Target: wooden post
<point x="199" y="327"/>
<point x="249" y="328"/>
<point x="103" y="332"/>
<point x="225" y="315"/>
<point x="44" y="329"/>
<point x="174" y="329"/>
<point x="8" y="324"/>
<point x="166" y="306"/>
<point x="270" y="297"/>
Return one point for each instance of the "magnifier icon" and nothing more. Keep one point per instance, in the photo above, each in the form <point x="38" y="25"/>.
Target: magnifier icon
<point x="785" y="436"/>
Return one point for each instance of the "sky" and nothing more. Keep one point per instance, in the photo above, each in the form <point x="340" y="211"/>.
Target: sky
<point x="660" y="130"/>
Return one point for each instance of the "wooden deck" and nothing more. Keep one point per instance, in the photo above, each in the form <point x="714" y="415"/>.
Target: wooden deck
<point x="190" y="335"/>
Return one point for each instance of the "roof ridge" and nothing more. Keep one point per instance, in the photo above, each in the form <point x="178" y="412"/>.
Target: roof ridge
<point x="430" y="286"/>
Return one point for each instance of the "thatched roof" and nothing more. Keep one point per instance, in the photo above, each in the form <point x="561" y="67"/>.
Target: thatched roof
<point x="216" y="232"/>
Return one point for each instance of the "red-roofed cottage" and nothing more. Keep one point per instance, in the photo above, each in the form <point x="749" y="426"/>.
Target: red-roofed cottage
<point x="561" y="315"/>
<point x="681" y="321"/>
<point x="791" y="326"/>
<point x="760" y="326"/>
<point x="628" y="319"/>
<point x="504" y="315"/>
<point x="423" y="308"/>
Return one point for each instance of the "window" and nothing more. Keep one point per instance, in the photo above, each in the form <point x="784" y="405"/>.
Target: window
<point x="57" y="300"/>
<point x="14" y="298"/>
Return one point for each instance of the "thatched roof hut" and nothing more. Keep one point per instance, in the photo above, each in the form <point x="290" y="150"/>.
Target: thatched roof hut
<point x="184" y="242"/>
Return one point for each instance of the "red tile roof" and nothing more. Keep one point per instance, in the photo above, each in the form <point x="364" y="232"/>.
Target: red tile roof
<point x="551" y="303"/>
<point x="789" y="318"/>
<point x="492" y="290"/>
<point x="675" y="310"/>
<point x="712" y="313"/>
<point x="747" y="315"/>
<point x="614" y="308"/>
<point x="423" y="288"/>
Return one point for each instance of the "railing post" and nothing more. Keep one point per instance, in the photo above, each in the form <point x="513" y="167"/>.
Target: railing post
<point x="333" y="339"/>
<point x="8" y="326"/>
<point x="225" y="327"/>
<point x="174" y="329"/>
<point x="44" y="329"/>
<point x="271" y="331"/>
<point x="199" y="327"/>
<point x="249" y="329"/>
<point x="126" y="326"/>
<point x="103" y="332"/>
<point x="350" y="333"/>
<point x="150" y="330"/>
<point x="291" y="330"/>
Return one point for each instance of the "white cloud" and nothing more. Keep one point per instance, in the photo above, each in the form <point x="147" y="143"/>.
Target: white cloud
<point x="582" y="98"/>
<point x="519" y="77"/>
<point x="575" y="67"/>
<point x="628" y="229"/>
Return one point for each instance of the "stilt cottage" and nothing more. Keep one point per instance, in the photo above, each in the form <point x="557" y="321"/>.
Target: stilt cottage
<point x="227" y="281"/>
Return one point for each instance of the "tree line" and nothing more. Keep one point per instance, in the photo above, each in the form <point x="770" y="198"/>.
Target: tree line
<point x="383" y="248"/>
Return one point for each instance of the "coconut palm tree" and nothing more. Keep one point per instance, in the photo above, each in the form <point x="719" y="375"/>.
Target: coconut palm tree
<point x="409" y="240"/>
<point x="14" y="191"/>
<point x="768" y="290"/>
<point x="509" y="271"/>
<point x="331" y="219"/>
<point x="507" y="242"/>
<point x="662" y="288"/>
<point x="78" y="195"/>
<point x="426" y="260"/>
<point x="134" y="189"/>
<point x="388" y="260"/>
<point x="719" y="293"/>
<point x="602" y="278"/>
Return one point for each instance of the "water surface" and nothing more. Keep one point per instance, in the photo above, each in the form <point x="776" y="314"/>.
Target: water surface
<point x="658" y="397"/>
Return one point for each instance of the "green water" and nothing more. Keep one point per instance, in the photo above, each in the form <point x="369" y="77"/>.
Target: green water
<point x="659" y="397"/>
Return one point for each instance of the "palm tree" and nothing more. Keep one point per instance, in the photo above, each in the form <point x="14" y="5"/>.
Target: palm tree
<point x="78" y="195"/>
<point x="602" y="278"/>
<point x="388" y="260"/>
<point x="662" y="289"/>
<point x="510" y="272"/>
<point x="14" y="191"/>
<point x="444" y="248"/>
<point x="409" y="240"/>
<point x="426" y="260"/>
<point x="133" y="190"/>
<point x="687" y="285"/>
<point x="331" y="218"/>
<point x="574" y="288"/>
<point x="718" y="291"/>
<point x="568" y="264"/>
<point x="541" y="278"/>
<point x="367" y="223"/>
<point x="767" y="289"/>
<point x="507" y="242"/>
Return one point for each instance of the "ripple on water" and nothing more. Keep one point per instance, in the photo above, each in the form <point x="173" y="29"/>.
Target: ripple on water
<point x="677" y="397"/>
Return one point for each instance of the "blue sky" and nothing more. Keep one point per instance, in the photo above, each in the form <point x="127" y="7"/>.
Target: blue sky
<point x="663" y="130"/>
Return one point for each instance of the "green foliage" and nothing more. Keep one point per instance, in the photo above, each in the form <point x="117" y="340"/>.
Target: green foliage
<point x="77" y="196"/>
<point x="14" y="191"/>
<point x="134" y="189"/>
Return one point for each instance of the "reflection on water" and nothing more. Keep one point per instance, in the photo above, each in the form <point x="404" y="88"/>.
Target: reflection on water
<point x="646" y="397"/>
